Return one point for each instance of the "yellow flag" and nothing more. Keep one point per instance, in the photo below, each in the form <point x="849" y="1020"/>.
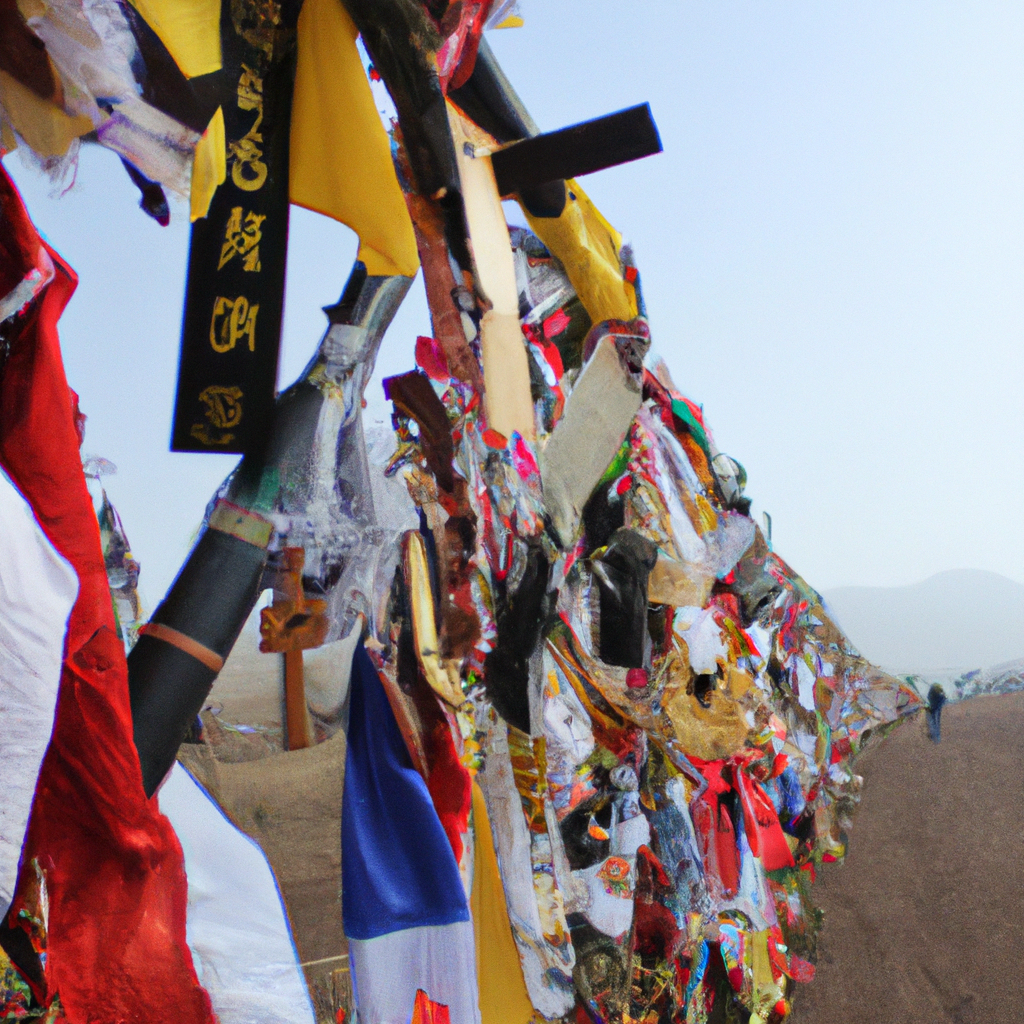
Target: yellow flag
<point x="588" y="247"/>
<point x="209" y="166"/>
<point x="503" y="997"/>
<point x="190" y="29"/>
<point x="340" y="162"/>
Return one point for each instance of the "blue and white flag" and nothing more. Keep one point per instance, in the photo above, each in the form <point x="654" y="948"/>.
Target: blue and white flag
<point x="404" y="907"/>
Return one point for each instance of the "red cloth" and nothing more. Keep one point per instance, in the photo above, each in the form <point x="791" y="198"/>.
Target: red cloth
<point x="761" y="823"/>
<point x="457" y="56"/>
<point x="426" y="1011"/>
<point x="115" y="878"/>
<point x="715" y="830"/>
<point x="449" y="784"/>
<point x="764" y="832"/>
<point x="655" y="930"/>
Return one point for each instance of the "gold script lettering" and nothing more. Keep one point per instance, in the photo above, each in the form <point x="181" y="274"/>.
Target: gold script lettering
<point x="242" y="239"/>
<point x="249" y="172"/>
<point x="233" y="320"/>
<point x="223" y="410"/>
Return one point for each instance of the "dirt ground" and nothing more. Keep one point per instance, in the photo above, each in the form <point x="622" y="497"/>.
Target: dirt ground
<point x="288" y="801"/>
<point x="925" y="920"/>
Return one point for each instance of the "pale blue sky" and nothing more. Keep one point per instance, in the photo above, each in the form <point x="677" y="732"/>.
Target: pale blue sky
<point x="832" y="251"/>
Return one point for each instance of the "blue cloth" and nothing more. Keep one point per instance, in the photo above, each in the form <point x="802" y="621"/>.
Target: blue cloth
<point x="786" y="795"/>
<point x="397" y="866"/>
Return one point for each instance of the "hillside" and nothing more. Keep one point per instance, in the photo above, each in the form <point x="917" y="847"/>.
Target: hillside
<point x="922" y="922"/>
<point x="952" y="622"/>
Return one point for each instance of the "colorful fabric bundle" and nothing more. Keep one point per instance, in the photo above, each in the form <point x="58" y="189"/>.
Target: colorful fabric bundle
<point x="584" y="737"/>
<point x="659" y="712"/>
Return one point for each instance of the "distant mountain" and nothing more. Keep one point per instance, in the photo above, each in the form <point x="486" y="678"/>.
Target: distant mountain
<point x="952" y="622"/>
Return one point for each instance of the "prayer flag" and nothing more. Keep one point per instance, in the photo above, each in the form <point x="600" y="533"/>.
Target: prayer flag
<point x="404" y="907"/>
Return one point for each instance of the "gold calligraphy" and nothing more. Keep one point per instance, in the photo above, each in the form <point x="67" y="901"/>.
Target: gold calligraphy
<point x="242" y="238"/>
<point x="233" y="320"/>
<point x="223" y="410"/>
<point x="249" y="172"/>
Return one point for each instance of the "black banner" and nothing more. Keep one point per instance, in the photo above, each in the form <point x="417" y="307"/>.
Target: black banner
<point x="234" y="299"/>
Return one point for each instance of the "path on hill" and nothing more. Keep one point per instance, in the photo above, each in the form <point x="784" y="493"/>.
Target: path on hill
<point x="925" y="920"/>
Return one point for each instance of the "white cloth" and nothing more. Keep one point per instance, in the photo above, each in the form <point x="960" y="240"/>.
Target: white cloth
<point x="236" y="927"/>
<point x="38" y="589"/>
<point x="389" y="969"/>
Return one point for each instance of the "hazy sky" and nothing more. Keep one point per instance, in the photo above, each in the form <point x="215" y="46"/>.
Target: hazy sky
<point x="832" y="252"/>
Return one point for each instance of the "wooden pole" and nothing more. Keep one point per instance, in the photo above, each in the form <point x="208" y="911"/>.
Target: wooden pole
<point x="296" y="721"/>
<point x="506" y="368"/>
